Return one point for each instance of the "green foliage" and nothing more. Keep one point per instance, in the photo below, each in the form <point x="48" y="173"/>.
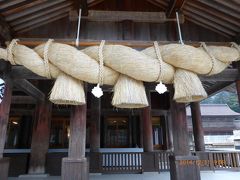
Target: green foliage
<point x="224" y="97"/>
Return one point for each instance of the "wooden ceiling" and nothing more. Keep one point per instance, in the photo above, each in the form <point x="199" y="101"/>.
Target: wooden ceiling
<point x="221" y="16"/>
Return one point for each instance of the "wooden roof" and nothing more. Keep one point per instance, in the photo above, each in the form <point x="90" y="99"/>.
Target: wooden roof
<point x="220" y="16"/>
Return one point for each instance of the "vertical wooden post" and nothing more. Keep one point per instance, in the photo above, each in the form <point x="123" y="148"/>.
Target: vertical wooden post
<point x="147" y="130"/>
<point x="197" y="126"/>
<point x="169" y="132"/>
<point x="148" y="157"/>
<point x="238" y="90"/>
<point x="180" y="132"/>
<point x="95" y="123"/>
<point x="179" y="170"/>
<point x="40" y="139"/>
<point x="147" y="126"/>
<point x="4" y="116"/>
<point x="75" y="166"/>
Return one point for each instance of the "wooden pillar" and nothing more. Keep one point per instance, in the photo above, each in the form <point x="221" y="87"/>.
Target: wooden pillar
<point x="147" y="130"/>
<point x="4" y="116"/>
<point x="75" y="166"/>
<point x="197" y="126"/>
<point x="179" y="126"/>
<point x="95" y="123"/>
<point x="179" y="170"/>
<point x="40" y="138"/>
<point x="238" y="90"/>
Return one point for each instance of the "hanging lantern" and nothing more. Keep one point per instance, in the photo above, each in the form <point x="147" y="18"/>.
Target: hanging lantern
<point x="2" y="88"/>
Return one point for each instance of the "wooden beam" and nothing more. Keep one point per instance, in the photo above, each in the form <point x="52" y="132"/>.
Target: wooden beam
<point x="46" y="12"/>
<point x="208" y="22"/>
<point x="92" y="3"/>
<point x="44" y="19"/>
<point x="43" y="23"/>
<point x="230" y="75"/>
<point x="7" y="4"/>
<point x="118" y="16"/>
<point x="32" y="10"/>
<point x="211" y="18"/>
<point x="5" y="30"/>
<point x="29" y="89"/>
<point x="212" y="12"/>
<point x="159" y="3"/>
<point x="81" y="4"/>
<point x="220" y="8"/>
<point x="23" y="7"/>
<point x="217" y="88"/>
<point x="23" y="100"/>
<point x="20" y="72"/>
<point x="32" y="42"/>
<point x="174" y="6"/>
<point x="207" y="27"/>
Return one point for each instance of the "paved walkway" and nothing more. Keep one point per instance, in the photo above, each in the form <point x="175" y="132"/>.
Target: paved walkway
<point x="205" y="175"/>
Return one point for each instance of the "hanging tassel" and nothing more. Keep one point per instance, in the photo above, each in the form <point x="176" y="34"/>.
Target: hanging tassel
<point x="160" y="88"/>
<point x="97" y="90"/>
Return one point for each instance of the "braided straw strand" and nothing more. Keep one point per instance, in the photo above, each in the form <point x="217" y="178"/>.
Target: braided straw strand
<point x="236" y="46"/>
<point x="213" y="59"/>
<point x="45" y="58"/>
<point x="10" y="51"/>
<point x="100" y="55"/>
<point x="159" y="57"/>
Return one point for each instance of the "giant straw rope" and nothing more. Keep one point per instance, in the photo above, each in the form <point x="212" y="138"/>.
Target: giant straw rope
<point x="125" y="68"/>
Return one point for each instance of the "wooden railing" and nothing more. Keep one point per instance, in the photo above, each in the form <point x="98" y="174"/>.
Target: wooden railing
<point x="218" y="160"/>
<point x="158" y="161"/>
<point x="163" y="160"/>
<point x="121" y="162"/>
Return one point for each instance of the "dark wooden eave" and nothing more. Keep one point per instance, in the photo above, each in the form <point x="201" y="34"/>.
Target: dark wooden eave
<point x="29" y="89"/>
<point x="175" y="6"/>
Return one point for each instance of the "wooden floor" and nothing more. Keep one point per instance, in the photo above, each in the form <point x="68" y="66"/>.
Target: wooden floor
<point x="205" y="175"/>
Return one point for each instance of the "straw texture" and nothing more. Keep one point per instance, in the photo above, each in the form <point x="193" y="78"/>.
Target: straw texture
<point x="71" y="66"/>
<point x="188" y="87"/>
<point x="68" y="91"/>
<point x="129" y="93"/>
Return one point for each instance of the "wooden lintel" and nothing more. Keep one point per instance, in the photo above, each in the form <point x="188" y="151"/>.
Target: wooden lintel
<point x="217" y="88"/>
<point x="29" y="89"/>
<point x="228" y="75"/>
<point x="32" y="42"/>
<point x="174" y="6"/>
<point x="23" y="100"/>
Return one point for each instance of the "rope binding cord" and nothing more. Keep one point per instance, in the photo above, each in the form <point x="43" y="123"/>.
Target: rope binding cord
<point x="204" y="46"/>
<point x="179" y="30"/>
<point x="10" y="51"/>
<point x="45" y="58"/>
<point x="160" y="88"/>
<point x="97" y="90"/>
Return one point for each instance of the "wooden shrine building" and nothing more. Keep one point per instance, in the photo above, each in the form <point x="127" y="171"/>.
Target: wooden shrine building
<point x="39" y="138"/>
